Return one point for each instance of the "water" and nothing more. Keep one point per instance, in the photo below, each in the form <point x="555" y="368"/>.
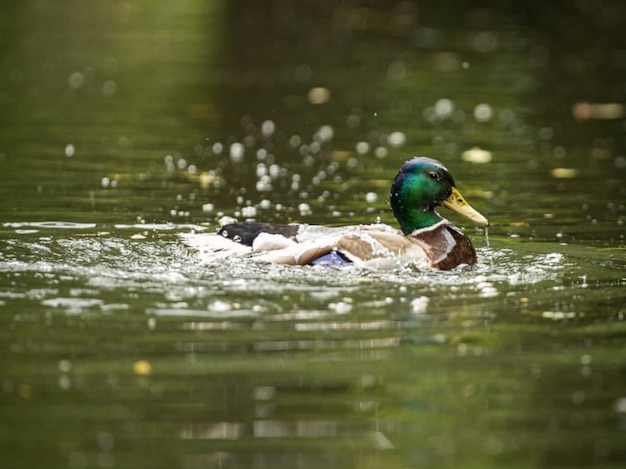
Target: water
<point x="122" y="347"/>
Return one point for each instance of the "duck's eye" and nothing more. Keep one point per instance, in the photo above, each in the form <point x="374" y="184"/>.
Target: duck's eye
<point x="434" y="175"/>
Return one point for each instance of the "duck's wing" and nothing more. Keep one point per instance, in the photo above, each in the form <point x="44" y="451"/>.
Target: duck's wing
<point x="383" y="249"/>
<point x="378" y="246"/>
<point x="371" y="246"/>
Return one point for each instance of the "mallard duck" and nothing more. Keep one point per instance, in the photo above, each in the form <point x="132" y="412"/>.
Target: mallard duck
<point x="425" y="238"/>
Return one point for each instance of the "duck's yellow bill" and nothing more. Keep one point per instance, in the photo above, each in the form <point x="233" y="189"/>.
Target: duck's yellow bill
<point x="457" y="203"/>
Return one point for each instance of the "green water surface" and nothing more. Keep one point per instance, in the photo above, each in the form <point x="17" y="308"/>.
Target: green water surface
<point x="124" y="124"/>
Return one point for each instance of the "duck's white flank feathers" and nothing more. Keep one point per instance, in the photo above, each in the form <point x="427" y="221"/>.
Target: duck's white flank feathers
<point x="375" y="246"/>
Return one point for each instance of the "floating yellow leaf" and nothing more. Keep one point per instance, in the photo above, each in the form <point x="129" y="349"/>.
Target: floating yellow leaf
<point x="564" y="173"/>
<point x="142" y="368"/>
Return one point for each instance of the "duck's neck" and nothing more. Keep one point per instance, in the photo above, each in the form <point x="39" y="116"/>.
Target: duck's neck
<point x="411" y="219"/>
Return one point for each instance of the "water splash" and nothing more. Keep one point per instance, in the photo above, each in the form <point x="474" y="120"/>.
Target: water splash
<point x="57" y="225"/>
<point x="180" y="281"/>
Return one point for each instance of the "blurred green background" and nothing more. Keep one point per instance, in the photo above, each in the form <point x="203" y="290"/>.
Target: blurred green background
<point x="123" y="123"/>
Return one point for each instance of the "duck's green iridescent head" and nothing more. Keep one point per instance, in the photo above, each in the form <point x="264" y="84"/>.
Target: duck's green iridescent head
<point x="421" y="185"/>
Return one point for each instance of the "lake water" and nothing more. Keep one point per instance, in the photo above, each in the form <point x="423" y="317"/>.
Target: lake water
<point x="125" y="124"/>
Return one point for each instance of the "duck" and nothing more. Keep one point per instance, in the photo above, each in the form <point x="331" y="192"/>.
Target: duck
<point x="425" y="239"/>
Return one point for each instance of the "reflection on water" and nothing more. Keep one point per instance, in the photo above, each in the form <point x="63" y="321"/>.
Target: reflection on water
<point x="138" y="343"/>
<point x="126" y="124"/>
